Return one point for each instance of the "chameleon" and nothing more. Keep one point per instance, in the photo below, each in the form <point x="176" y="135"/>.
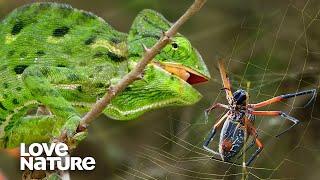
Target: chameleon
<point x="56" y="61"/>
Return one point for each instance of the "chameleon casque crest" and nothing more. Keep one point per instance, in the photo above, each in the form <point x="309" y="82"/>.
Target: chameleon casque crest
<point x="56" y="61"/>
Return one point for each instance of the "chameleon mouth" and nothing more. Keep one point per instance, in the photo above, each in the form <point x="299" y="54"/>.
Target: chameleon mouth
<point x="185" y="73"/>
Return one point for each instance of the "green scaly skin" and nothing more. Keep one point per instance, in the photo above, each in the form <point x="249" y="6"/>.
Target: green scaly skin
<point x="64" y="59"/>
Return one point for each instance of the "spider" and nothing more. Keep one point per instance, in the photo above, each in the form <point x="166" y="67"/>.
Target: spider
<point x="239" y="120"/>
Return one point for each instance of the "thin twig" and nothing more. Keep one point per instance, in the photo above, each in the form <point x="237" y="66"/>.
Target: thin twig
<point x="137" y="71"/>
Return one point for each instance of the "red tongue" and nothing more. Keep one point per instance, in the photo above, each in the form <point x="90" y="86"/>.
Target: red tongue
<point x="194" y="79"/>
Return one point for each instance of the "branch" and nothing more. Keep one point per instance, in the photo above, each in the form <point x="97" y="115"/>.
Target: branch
<point x="137" y="71"/>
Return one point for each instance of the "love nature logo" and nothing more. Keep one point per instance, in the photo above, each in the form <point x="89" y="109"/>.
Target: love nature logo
<point x="43" y="156"/>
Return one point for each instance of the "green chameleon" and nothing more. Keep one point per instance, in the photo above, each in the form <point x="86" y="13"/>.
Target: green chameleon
<point x="56" y="61"/>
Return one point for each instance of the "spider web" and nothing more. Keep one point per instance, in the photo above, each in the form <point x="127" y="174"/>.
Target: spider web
<point x="269" y="50"/>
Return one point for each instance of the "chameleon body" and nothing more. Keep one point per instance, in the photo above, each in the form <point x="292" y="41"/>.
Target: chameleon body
<point x="56" y="61"/>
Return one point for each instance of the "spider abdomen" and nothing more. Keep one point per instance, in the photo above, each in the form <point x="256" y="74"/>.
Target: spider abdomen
<point x="232" y="138"/>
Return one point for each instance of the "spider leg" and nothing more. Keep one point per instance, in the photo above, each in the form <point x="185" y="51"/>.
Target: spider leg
<point x="226" y="82"/>
<point x="214" y="106"/>
<point x="211" y="135"/>
<point x="285" y="96"/>
<point x="257" y="152"/>
<point x="252" y="131"/>
<point x="277" y="113"/>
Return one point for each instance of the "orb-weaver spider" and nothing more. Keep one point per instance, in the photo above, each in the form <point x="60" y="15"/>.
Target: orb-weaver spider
<point x="239" y="120"/>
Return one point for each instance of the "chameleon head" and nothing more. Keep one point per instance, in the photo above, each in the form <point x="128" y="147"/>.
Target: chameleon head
<point x="181" y="59"/>
<point x="168" y="79"/>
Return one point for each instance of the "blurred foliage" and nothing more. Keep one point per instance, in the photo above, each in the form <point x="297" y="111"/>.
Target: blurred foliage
<point x="273" y="46"/>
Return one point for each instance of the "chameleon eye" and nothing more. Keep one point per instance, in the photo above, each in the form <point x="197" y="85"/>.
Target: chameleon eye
<point x="174" y="45"/>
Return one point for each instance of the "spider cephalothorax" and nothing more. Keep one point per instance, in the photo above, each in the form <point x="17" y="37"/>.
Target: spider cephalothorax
<point x="239" y="120"/>
<point x="240" y="97"/>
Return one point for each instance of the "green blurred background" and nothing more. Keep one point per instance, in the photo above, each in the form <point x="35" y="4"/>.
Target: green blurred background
<point x="270" y="47"/>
